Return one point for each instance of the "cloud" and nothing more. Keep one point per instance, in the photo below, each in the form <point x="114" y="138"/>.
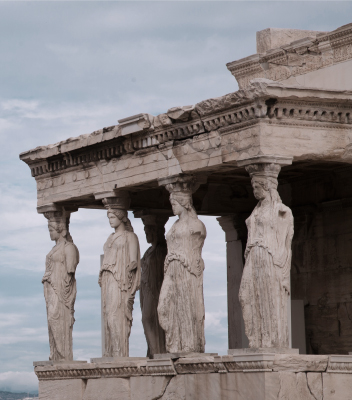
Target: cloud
<point x="18" y="381"/>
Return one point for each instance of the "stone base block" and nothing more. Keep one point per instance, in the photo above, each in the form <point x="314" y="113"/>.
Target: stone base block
<point x="107" y="389"/>
<point x="49" y="362"/>
<point x="233" y="377"/>
<point x="263" y="350"/>
<point x="65" y="389"/>
<point x="183" y="355"/>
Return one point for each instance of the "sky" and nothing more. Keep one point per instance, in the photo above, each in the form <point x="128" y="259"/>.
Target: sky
<point x="69" y="68"/>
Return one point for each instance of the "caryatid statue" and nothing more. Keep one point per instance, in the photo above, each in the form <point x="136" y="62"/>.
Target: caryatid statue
<point x="119" y="277"/>
<point x="152" y="279"/>
<point x="60" y="286"/>
<point x="265" y="286"/>
<point x="181" y="301"/>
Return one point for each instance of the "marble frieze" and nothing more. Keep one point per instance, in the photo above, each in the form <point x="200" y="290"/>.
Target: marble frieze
<point x="265" y="118"/>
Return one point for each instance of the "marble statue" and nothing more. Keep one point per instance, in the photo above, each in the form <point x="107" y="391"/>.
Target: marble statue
<point x="119" y="279"/>
<point x="151" y="281"/>
<point x="181" y="302"/>
<point x="265" y="285"/>
<point x="60" y="286"/>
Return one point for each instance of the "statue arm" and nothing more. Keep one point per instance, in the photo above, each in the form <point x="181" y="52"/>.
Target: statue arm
<point x="284" y="255"/>
<point x="71" y="258"/>
<point x="133" y="246"/>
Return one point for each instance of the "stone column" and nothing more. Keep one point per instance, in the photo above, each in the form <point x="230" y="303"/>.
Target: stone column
<point x="60" y="283"/>
<point x="234" y="255"/>
<point x="181" y="301"/>
<point x="265" y="286"/>
<point x="152" y="278"/>
<point x="119" y="275"/>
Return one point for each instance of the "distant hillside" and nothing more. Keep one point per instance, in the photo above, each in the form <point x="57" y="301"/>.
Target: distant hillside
<point x="15" y="396"/>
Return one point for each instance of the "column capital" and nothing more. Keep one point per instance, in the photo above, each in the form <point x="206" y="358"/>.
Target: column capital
<point x="234" y="226"/>
<point x="182" y="183"/>
<point x="253" y="163"/>
<point x="265" y="159"/>
<point x="227" y="225"/>
<point x="151" y="217"/>
<point x="52" y="207"/>
<point x="265" y="166"/>
<point x="114" y="199"/>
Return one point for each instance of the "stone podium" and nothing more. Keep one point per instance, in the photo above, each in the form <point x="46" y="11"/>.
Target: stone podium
<point x="273" y="162"/>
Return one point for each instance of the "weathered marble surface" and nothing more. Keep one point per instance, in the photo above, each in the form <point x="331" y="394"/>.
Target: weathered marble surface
<point x="152" y="278"/>
<point x="265" y="284"/>
<point x="181" y="302"/>
<point x="72" y="389"/>
<point x="300" y="362"/>
<point x="287" y="55"/>
<point x="272" y="38"/>
<point x="251" y="377"/>
<point x="107" y="389"/>
<point x="119" y="277"/>
<point x="60" y="285"/>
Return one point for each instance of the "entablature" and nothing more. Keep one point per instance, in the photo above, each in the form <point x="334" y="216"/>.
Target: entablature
<point x="316" y="51"/>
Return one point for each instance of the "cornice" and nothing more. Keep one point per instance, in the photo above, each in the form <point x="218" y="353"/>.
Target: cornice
<point x="257" y="362"/>
<point x="266" y="101"/>
<point x="296" y="58"/>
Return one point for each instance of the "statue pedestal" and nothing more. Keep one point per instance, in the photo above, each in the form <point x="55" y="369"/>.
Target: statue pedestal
<point x="236" y="377"/>
<point x="51" y="363"/>
<point x="264" y="350"/>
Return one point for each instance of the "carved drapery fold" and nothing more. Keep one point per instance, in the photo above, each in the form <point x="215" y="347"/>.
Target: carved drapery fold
<point x="181" y="301"/>
<point x="60" y="284"/>
<point x="265" y="284"/>
<point x="152" y="278"/>
<point x="119" y="275"/>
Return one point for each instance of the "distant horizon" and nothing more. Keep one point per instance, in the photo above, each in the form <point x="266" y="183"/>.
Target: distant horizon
<point x="70" y="68"/>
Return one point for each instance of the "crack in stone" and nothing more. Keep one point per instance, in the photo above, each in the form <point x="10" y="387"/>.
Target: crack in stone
<point x="310" y="391"/>
<point x="162" y="394"/>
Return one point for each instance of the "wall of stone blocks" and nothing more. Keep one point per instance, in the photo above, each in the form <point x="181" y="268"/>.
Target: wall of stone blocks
<point x="321" y="272"/>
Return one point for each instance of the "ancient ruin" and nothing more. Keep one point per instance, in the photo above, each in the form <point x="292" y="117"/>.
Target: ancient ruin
<point x="273" y="162"/>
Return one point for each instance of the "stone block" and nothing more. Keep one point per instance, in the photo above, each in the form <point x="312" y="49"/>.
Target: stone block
<point x="183" y="355"/>
<point x="294" y="387"/>
<point x="176" y="389"/>
<point x="203" y="387"/>
<point x="249" y="386"/>
<point x="266" y="350"/>
<point x="135" y="123"/>
<point x="52" y="363"/>
<point x="148" y="387"/>
<point x="272" y="38"/>
<point x="68" y="389"/>
<point x="315" y="384"/>
<point x="337" y="386"/>
<point x="300" y="363"/>
<point x="107" y="389"/>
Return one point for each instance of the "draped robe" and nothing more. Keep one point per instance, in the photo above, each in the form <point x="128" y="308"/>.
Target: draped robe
<point x="265" y="284"/>
<point x="60" y="295"/>
<point x="151" y="281"/>
<point x="118" y="287"/>
<point x="181" y="301"/>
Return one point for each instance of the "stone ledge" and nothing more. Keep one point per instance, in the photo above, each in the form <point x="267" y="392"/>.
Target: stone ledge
<point x="196" y="364"/>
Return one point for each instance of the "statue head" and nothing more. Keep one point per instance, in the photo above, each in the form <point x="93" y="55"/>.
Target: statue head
<point x="181" y="201"/>
<point x="150" y="233"/>
<point x="262" y="186"/>
<point x="264" y="180"/>
<point x="58" y="222"/>
<point x="181" y="196"/>
<point x="154" y="227"/>
<point x="117" y="216"/>
<point x="117" y="207"/>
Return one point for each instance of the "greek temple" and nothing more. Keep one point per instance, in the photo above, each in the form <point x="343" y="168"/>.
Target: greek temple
<point x="272" y="161"/>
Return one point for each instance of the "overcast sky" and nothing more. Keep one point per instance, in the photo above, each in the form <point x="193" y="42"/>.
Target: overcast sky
<point x="69" y="68"/>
